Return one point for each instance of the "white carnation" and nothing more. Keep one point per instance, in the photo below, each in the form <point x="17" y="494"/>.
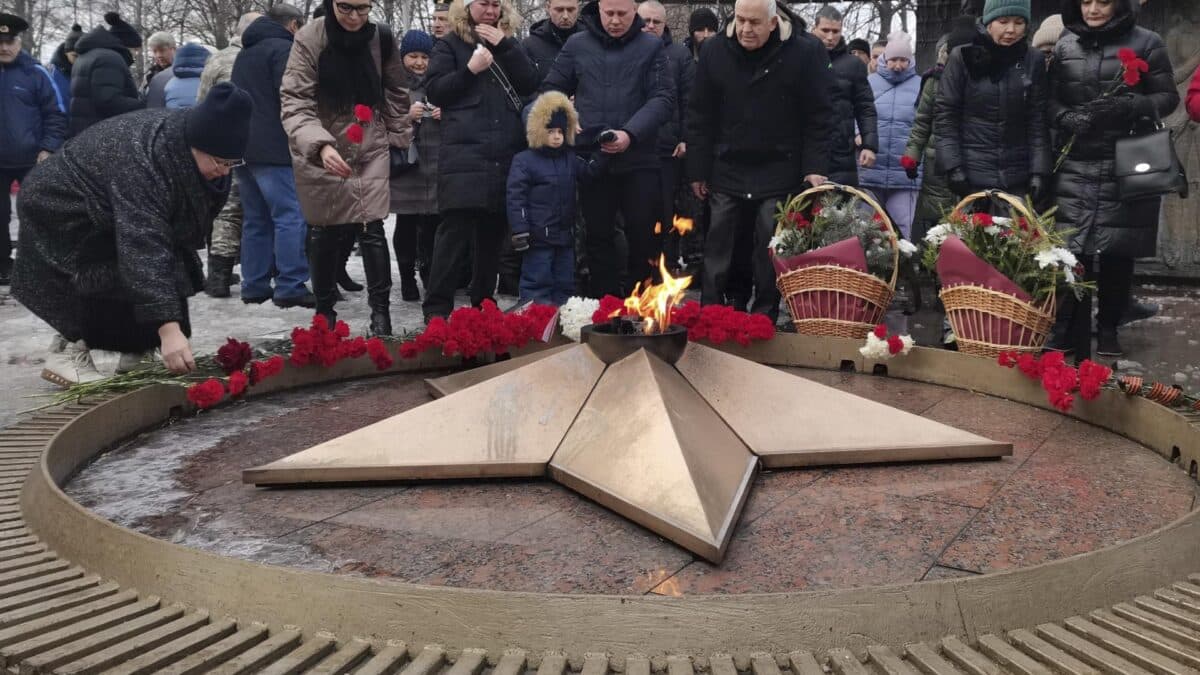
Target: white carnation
<point x="992" y="230"/>
<point x="938" y="233"/>
<point x="907" y="247"/>
<point x="774" y="243"/>
<point x="1002" y="221"/>
<point x="575" y="314"/>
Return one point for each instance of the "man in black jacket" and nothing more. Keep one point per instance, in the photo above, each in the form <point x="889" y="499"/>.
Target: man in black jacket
<point x="621" y="82"/>
<point x="758" y="128"/>
<point x="101" y="83"/>
<point x="547" y="37"/>
<point x="671" y="147"/>
<point x="273" y="228"/>
<point x="853" y="103"/>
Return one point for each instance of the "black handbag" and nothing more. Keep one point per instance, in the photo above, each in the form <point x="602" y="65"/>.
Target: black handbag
<point x="1148" y="166"/>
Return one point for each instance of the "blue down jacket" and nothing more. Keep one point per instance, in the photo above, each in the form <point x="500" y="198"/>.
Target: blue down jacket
<point x="183" y="88"/>
<point x="896" y="96"/>
<point x="30" y="117"/>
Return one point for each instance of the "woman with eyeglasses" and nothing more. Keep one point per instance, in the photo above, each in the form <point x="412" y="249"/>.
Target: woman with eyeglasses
<point x="479" y="76"/>
<point x="339" y="64"/>
<point x="108" y="257"/>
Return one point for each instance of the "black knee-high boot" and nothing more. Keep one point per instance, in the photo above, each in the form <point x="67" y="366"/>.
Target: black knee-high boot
<point x="378" y="265"/>
<point x="324" y="261"/>
<point x="404" y="241"/>
<point x="345" y="248"/>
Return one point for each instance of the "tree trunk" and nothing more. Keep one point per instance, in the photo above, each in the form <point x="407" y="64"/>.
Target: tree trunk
<point x="933" y="20"/>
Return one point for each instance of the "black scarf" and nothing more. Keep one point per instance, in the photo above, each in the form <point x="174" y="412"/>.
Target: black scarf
<point x="346" y="72"/>
<point x="984" y="58"/>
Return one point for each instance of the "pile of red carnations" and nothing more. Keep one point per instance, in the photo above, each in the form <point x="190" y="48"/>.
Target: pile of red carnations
<point x="472" y="331"/>
<point x="1060" y="381"/>
<point x="712" y="323"/>
<point x="315" y="345"/>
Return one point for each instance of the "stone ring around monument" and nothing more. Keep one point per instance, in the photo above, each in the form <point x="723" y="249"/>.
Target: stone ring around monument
<point x="97" y="595"/>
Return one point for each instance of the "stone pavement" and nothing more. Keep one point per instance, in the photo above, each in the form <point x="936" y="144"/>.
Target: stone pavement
<point x="1068" y="488"/>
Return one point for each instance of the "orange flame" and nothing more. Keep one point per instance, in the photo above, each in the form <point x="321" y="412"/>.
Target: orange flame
<point x="657" y="228"/>
<point x="654" y="303"/>
<point x="682" y="225"/>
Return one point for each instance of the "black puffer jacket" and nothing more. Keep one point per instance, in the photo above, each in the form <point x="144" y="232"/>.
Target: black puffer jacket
<point x="990" y="119"/>
<point x="853" y="104"/>
<point x="759" y="122"/>
<point x="258" y="69"/>
<point x="481" y="126"/>
<point x="683" y="69"/>
<point x="618" y="83"/>
<point x="101" y="84"/>
<point x="544" y="43"/>
<point x="1085" y="67"/>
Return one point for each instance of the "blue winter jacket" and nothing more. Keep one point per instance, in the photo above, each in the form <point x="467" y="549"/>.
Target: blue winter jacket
<point x="184" y="87"/>
<point x="258" y="70"/>
<point x="541" y="193"/>
<point x="896" y="98"/>
<point x="30" y="117"/>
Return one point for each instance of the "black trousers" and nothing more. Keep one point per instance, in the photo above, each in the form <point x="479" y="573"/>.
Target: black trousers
<point x="753" y="221"/>
<point x="1114" y="283"/>
<point x="637" y="198"/>
<point x="413" y="243"/>
<point x="7" y="176"/>
<point x="460" y="230"/>
<point x="326" y="244"/>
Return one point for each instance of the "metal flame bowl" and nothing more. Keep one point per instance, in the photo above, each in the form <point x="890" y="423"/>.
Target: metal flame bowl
<point x="615" y="340"/>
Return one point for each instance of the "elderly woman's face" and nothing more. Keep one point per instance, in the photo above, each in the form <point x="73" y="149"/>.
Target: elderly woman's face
<point x="486" y="12"/>
<point x="1007" y="30"/>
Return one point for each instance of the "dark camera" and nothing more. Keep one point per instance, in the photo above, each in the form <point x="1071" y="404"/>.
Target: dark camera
<point x="608" y="136"/>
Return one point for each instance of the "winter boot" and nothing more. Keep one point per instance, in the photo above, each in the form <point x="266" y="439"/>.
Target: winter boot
<point x="69" y="363"/>
<point x="220" y="273"/>
<point x="408" y="285"/>
<point x="377" y="263"/>
<point x="1107" y="344"/>
<point x="345" y="247"/>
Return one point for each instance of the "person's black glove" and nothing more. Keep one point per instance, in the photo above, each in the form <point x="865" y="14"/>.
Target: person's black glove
<point x="911" y="169"/>
<point x="520" y="242"/>
<point x="957" y="180"/>
<point x="1136" y="108"/>
<point x="1077" y="121"/>
<point x="1037" y="187"/>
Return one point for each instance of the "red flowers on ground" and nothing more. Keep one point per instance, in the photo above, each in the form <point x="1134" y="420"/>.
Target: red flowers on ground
<point x="363" y="113"/>
<point x="238" y="383"/>
<point x="908" y="163"/>
<point x="895" y="345"/>
<point x="720" y="323"/>
<point x="206" y="394"/>
<point x="355" y="133"/>
<point x="470" y="332"/>
<point x="1059" y="380"/>
<point x="378" y="352"/>
<point x="610" y="306"/>
<point x="261" y="370"/>
<point x="234" y="355"/>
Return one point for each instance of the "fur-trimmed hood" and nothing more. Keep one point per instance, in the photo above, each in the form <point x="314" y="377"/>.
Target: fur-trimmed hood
<point x="539" y="116"/>
<point x="460" y="20"/>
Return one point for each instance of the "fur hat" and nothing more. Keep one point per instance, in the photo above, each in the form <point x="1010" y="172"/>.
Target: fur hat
<point x="416" y="41"/>
<point x="1048" y="33"/>
<point x="121" y="30"/>
<point x="702" y="18"/>
<point x="220" y="124"/>
<point x="859" y="45"/>
<point x="551" y="110"/>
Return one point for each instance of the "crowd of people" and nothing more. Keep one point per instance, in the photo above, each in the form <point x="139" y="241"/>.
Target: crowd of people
<point x="545" y="167"/>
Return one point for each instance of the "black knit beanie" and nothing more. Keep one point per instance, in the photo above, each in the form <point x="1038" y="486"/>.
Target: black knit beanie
<point x="72" y="38"/>
<point x="220" y="124"/>
<point x="121" y="30"/>
<point x="702" y="18"/>
<point x="859" y="45"/>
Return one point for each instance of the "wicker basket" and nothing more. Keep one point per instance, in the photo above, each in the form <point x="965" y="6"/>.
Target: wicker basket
<point x="997" y="322"/>
<point x="822" y="297"/>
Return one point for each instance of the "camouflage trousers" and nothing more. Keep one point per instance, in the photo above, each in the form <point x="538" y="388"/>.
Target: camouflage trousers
<point x="227" y="228"/>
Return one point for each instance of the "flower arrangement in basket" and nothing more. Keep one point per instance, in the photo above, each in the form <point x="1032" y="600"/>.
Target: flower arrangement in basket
<point x="1000" y="275"/>
<point x="836" y="257"/>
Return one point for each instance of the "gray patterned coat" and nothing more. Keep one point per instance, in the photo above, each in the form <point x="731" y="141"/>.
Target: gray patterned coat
<point x="117" y="215"/>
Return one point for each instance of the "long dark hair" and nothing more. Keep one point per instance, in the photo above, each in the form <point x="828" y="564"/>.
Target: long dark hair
<point x="346" y="70"/>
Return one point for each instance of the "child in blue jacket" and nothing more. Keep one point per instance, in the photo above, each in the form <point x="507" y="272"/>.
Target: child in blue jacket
<point x="541" y="200"/>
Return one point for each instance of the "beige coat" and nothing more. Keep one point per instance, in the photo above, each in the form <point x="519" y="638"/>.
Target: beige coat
<point x="326" y="199"/>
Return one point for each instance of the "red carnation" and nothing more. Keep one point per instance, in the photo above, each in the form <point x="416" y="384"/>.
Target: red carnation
<point x="881" y="331"/>
<point x="1007" y="359"/>
<point x="908" y="163"/>
<point x="1133" y="72"/>
<point x="1063" y="400"/>
<point x="1126" y="55"/>
<point x="363" y="113"/>
<point x="238" y="383"/>
<point x="233" y="355"/>
<point x="816" y="209"/>
<point x="895" y="345"/>
<point x="1022" y="223"/>
<point x="983" y="219"/>
<point x="379" y="353"/>
<point x="206" y="394"/>
<point x="799" y="220"/>
<point x="1028" y="364"/>
<point x="355" y="133"/>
